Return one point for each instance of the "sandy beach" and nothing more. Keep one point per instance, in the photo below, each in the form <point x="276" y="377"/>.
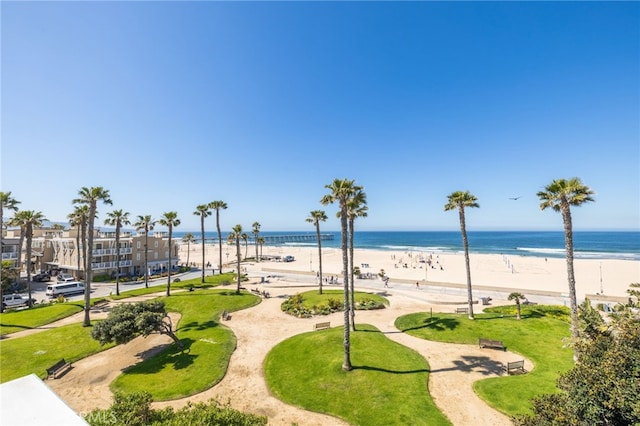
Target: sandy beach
<point x="605" y="280"/>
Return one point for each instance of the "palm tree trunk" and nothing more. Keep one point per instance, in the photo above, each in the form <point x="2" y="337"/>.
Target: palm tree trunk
<point x="88" y="270"/>
<point x="352" y="306"/>
<point x="219" y="241"/>
<point x="146" y="258"/>
<point x="203" y="250"/>
<point x="465" y="243"/>
<point x="29" y="239"/>
<point x="346" y="363"/>
<point x="568" y="240"/>
<point x="238" y="257"/>
<point x="169" y="266"/>
<point x="319" y="255"/>
<point x="118" y="259"/>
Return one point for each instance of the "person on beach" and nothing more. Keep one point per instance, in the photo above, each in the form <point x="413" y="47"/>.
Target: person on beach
<point x="386" y="282"/>
<point x="417" y="285"/>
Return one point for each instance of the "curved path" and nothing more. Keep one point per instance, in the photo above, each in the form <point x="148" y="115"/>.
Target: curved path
<point x="454" y="367"/>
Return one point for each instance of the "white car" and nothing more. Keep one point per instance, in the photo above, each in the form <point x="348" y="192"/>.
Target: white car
<point x="15" y="300"/>
<point x="65" y="278"/>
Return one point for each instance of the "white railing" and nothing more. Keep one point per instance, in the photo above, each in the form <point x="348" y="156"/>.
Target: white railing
<point x="111" y="251"/>
<point x="110" y="265"/>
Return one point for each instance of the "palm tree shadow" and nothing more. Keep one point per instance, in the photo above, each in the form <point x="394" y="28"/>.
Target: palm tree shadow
<point x="482" y="364"/>
<point x="436" y="323"/>
<point x="385" y="370"/>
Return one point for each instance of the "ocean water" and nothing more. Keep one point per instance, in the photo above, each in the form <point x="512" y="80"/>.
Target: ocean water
<point x="587" y="244"/>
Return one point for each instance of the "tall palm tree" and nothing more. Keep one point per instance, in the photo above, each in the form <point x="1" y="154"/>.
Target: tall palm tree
<point x="203" y="210"/>
<point x="9" y="203"/>
<point x="217" y="206"/>
<point x="78" y="218"/>
<point x="145" y="224"/>
<point x="461" y="200"/>
<point x="170" y="220"/>
<point x="341" y="191"/>
<point x="117" y="218"/>
<point x="315" y="217"/>
<point x="187" y="238"/>
<point x="560" y="195"/>
<point x="90" y="197"/>
<point x="356" y="207"/>
<point x="27" y="220"/>
<point x="256" y="233"/>
<point x="234" y="237"/>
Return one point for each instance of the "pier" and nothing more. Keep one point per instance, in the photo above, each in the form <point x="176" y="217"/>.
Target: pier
<point x="278" y="239"/>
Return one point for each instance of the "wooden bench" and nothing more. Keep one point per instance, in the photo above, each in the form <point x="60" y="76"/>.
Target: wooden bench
<point x="493" y="344"/>
<point x="58" y="368"/>
<point x="462" y="310"/>
<point x="225" y="316"/>
<point x="514" y="367"/>
<point x="321" y="326"/>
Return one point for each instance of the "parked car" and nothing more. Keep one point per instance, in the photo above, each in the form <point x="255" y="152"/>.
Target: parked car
<point x="42" y="277"/>
<point x="288" y="259"/>
<point x="65" y="278"/>
<point x="16" y="300"/>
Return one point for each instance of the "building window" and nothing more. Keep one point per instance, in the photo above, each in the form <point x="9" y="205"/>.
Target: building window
<point x="155" y="255"/>
<point x="138" y="256"/>
<point x="138" y="245"/>
<point x="156" y="244"/>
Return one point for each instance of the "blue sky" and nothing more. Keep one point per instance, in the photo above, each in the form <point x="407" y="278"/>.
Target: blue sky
<point x="261" y="104"/>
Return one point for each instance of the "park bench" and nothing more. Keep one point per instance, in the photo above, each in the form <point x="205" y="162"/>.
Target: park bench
<point x="321" y="326"/>
<point x="58" y="368"/>
<point x="462" y="310"/>
<point x="494" y="344"/>
<point x="514" y="367"/>
<point x="225" y="316"/>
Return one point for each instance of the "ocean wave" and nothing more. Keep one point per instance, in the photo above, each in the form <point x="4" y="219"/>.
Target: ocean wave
<point x="541" y="250"/>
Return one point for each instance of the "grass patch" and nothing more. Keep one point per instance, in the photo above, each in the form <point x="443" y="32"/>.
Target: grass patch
<point x="208" y="347"/>
<point x="196" y="283"/>
<point x="37" y="352"/>
<point x="388" y="384"/>
<point x="539" y="336"/>
<point x="24" y="319"/>
<point x="310" y="303"/>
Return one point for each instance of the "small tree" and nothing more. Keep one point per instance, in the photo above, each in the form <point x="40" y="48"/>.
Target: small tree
<point x="130" y="320"/>
<point x="517" y="297"/>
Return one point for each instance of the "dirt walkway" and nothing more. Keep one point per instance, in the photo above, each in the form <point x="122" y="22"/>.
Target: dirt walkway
<point x="454" y="368"/>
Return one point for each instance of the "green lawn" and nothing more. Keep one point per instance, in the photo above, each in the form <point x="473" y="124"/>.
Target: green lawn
<point x="539" y="336"/>
<point x="12" y="321"/>
<point x="37" y="352"/>
<point x="388" y="384"/>
<point x="196" y="283"/>
<point x="208" y="347"/>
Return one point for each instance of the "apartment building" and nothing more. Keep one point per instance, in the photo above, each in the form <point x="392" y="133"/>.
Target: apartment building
<point x="62" y="250"/>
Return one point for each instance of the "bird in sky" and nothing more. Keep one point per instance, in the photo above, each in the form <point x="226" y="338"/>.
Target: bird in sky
<point x="515" y="198"/>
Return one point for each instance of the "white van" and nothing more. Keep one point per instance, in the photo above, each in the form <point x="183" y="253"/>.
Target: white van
<point x="64" y="289"/>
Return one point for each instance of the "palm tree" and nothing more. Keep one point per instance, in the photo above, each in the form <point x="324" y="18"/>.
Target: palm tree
<point x="90" y="197"/>
<point x="170" y="220"/>
<point x="145" y="224"/>
<point x="78" y="218"/>
<point x="341" y="191"/>
<point x="517" y="296"/>
<point x="315" y="217"/>
<point x="459" y="200"/>
<point x="27" y="220"/>
<point x="356" y="208"/>
<point x="187" y="238"/>
<point x="256" y="233"/>
<point x="117" y="218"/>
<point x="203" y="210"/>
<point x="261" y="242"/>
<point x="234" y="237"/>
<point x="217" y="206"/>
<point x="245" y="239"/>
<point x="9" y="203"/>
<point x="560" y="195"/>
